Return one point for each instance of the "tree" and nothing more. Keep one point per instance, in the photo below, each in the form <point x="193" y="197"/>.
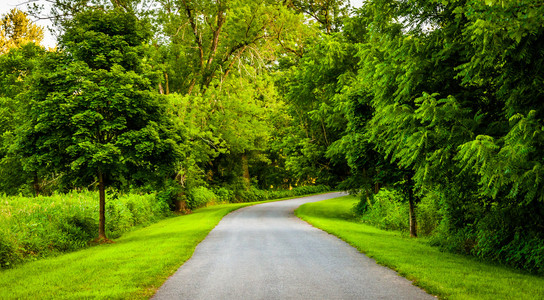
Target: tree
<point x="456" y="89"/>
<point x="218" y="53"/>
<point x="508" y="57"/>
<point x="328" y="14"/>
<point x="16" y="30"/>
<point x="210" y="39"/>
<point x="310" y="90"/>
<point x="95" y="115"/>
<point x="16" y="67"/>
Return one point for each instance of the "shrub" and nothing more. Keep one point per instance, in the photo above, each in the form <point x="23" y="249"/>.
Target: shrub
<point x="74" y="232"/>
<point x="224" y="194"/>
<point x="170" y="195"/>
<point x="8" y="254"/>
<point x="506" y="234"/>
<point x="199" y="197"/>
<point x="253" y="194"/>
<point x="387" y="210"/>
<point x="429" y="213"/>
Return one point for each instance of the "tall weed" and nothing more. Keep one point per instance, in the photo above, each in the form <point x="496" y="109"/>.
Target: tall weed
<point x="31" y="228"/>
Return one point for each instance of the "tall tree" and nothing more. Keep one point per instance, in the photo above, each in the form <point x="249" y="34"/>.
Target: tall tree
<point x="94" y="113"/>
<point x="219" y="52"/>
<point x="210" y="39"/>
<point x="311" y="88"/>
<point x="457" y="96"/>
<point x="16" y="68"/>
<point x="328" y="14"/>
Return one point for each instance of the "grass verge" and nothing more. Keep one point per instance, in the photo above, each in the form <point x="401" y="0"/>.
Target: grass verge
<point x="446" y="275"/>
<point x="132" y="268"/>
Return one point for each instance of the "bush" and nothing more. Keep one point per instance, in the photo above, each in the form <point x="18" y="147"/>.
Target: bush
<point x="199" y="197"/>
<point x="251" y="195"/>
<point x="224" y="194"/>
<point x="75" y="232"/>
<point x="254" y="194"/>
<point x="506" y="234"/>
<point x="387" y="210"/>
<point x="8" y="253"/>
<point x="170" y="195"/>
<point x="429" y="213"/>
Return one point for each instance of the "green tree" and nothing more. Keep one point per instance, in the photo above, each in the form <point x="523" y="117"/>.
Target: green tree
<point x="328" y="14"/>
<point x="19" y="38"/>
<point x="16" y="67"/>
<point x="206" y="41"/>
<point x="311" y="90"/>
<point x="456" y="89"/>
<point x="16" y="30"/>
<point x="219" y="54"/>
<point x="95" y="116"/>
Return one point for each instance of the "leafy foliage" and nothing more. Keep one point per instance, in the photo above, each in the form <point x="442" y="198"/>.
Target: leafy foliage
<point x="16" y="30"/>
<point x="442" y="100"/>
<point x="430" y="110"/>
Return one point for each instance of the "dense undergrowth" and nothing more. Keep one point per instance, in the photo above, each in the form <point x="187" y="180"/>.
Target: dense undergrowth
<point x="33" y="228"/>
<point x="202" y="196"/>
<point x="446" y="275"/>
<point x="502" y="233"/>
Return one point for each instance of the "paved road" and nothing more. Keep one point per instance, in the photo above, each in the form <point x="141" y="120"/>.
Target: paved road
<point x="265" y="252"/>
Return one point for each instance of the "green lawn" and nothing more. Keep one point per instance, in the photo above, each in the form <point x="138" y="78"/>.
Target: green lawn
<point x="134" y="267"/>
<point x="447" y="275"/>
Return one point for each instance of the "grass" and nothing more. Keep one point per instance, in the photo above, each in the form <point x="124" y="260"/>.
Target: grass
<point x="446" y="275"/>
<point x="36" y="227"/>
<point x="132" y="268"/>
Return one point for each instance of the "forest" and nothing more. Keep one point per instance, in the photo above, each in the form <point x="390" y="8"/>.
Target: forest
<point x="431" y="111"/>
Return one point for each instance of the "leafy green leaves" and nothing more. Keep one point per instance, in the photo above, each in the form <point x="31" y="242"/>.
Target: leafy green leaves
<point x="514" y="162"/>
<point x="88" y="117"/>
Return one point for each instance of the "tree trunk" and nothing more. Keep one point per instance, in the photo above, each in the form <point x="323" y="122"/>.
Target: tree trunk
<point x="102" y="216"/>
<point x="413" y="220"/>
<point x="161" y="91"/>
<point x="245" y="167"/>
<point x="167" y="85"/>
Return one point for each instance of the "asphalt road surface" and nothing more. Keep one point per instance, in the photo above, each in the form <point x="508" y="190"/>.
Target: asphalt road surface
<point x="265" y="252"/>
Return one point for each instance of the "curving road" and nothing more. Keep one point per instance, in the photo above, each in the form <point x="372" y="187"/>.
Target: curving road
<point x="265" y="252"/>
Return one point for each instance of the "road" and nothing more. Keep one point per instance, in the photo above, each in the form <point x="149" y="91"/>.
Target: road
<point x="265" y="252"/>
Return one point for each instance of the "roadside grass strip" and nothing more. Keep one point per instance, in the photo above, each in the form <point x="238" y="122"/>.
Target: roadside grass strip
<point x="134" y="267"/>
<point x="447" y="275"/>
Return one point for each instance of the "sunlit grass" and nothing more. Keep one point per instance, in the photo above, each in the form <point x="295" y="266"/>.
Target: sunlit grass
<point x="38" y="227"/>
<point x="134" y="267"/>
<point x="447" y="275"/>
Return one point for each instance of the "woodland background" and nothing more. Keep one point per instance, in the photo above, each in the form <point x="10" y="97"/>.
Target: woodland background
<point x="430" y="110"/>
